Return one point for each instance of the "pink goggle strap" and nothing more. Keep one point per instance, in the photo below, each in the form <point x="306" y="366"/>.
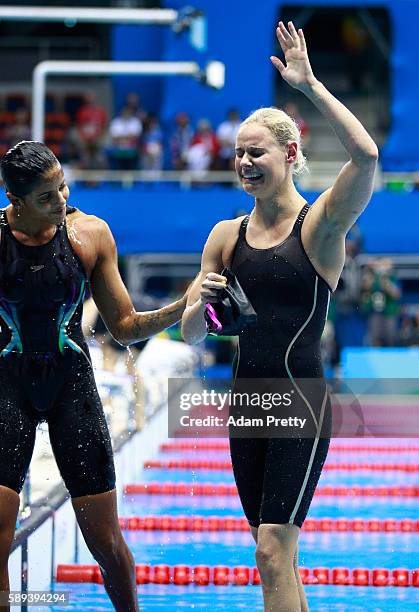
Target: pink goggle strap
<point x="215" y="324"/>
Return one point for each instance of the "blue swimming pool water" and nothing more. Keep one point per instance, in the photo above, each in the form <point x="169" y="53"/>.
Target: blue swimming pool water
<point x="174" y="599"/>
<point x="235" y="548"/>
<point x="389" y="550"/>
<point x="364" y="478"/>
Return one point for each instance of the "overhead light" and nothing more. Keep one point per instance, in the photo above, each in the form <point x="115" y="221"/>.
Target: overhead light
<point x="215" y="74"/>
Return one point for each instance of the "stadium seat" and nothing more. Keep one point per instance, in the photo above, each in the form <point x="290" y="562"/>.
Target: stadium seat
<point x="14" y="101"/>
<point x="72" y="103"/>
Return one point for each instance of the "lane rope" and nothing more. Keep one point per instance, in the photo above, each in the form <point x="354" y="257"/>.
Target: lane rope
<point x="200" y="489"/>
<point x="223" y="446"/>
<point x="222" y="575"/>
<point x="233" y="523"/>
<point x="226" y="465"/>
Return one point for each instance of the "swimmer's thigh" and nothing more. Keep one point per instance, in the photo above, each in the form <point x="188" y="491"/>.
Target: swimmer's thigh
<point x="293" y="468"/>
<point x="80" y="437"/>
<point x="17" y="432"/>
<point x="248" y="459"/>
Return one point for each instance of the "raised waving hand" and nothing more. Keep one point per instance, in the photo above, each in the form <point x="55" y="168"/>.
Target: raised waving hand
<point x="296" y="71"/>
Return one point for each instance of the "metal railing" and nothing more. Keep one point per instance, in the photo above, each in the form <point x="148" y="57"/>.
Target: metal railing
<point x="320" y="177"/>
<point x="88" y="15"/>
<point x="213" y="75"/>
<point x="128" y="178"/>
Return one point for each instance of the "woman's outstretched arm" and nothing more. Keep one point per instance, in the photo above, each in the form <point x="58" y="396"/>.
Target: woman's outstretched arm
<point x="352" y="189"/>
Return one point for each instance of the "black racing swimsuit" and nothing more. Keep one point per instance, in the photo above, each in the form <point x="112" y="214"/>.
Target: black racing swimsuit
<point x="276" y="477"/>
<point x="45" y="367"/>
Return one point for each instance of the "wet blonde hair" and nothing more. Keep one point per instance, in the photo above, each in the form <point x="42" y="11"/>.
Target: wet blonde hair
<point x="283" y="128"/>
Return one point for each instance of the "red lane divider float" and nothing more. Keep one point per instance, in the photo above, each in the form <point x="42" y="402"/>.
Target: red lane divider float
<point x="196" y="489"/>
<point x="232" y="523"/>
<point x="203" y="575"/>
<point x="337" y="448"/>
<point x="226" y="465"/>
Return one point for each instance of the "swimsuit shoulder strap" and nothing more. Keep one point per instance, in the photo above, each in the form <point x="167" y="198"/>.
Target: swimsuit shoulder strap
<point x="240" y="239"/>
<point x="3" y="221"/>
<point x="243" y="227"/>
<point x="3" y="218"/>
<point x="301" y="216"/>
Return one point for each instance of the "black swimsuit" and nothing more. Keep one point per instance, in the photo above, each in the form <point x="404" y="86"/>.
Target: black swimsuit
<point x="276" y="477"/>
<point x="45" y="367"/>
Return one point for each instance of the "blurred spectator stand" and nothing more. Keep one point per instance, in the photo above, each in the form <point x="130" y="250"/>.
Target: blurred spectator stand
<point x="180" y="141"/>
<point x="381" y="302"/>
<point x="125" y="131"/>
<point x="20" y="128"/>
<point x="56" y="132"/>
<point x="16" y="101"/>
<point x="133" y="101"/>
<point x="227" y="133"/>
<point x="294" y="112"/>
<point x="91" y="122"/>
<point x="204" y="149"/>
<point x="152" y="145"/>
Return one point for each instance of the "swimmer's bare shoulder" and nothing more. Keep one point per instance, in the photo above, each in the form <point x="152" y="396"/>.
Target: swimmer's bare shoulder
<point x="217" y="252"/>
<point x="222" y="240"/>
<point x="90" y="237"/>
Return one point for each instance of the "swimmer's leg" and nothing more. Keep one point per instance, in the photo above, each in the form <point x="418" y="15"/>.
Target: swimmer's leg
<point x="9" y="506"/>
<point x="82" y="447"/>
<point x="275" y="552"/>
<point x="17" y="439"/>
<point x="301" y="593"/>
<point x="97" y="517"/>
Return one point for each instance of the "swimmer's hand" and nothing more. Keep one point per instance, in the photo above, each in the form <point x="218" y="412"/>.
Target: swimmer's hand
<point x="211" y="287"/>
<point x="297" y="72"/>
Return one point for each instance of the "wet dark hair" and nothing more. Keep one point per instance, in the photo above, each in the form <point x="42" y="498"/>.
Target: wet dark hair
<point x="24" y="165"/>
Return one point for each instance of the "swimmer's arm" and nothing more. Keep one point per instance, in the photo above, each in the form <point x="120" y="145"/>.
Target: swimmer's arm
<point x="353" y="187"/>
<point x="194" y="328"/>
<point x="114" y="303"/>
<point x="346" y="199"/>
<point x="89" y="316"/>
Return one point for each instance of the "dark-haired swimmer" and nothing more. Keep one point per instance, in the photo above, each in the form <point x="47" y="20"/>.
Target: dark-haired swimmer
<point x="50" y="254"/>
<point x="288" y="257"/>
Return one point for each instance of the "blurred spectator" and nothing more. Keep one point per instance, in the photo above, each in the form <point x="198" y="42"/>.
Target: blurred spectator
<point x="180" y="141"/>
<point x="409" y="326"/>
<point x="381" y="302"/>
<point x="204" y="149"/>
<point x="152" y="145"/>
<point x="226" y="134"/>
<point x="133" y="101"/>
<point x="125" y="131"/>
<point x="293" y="111"/>
<point x="91" y="159"/>
<point x="20" y="129"/>
<point x="91" y="123"/>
